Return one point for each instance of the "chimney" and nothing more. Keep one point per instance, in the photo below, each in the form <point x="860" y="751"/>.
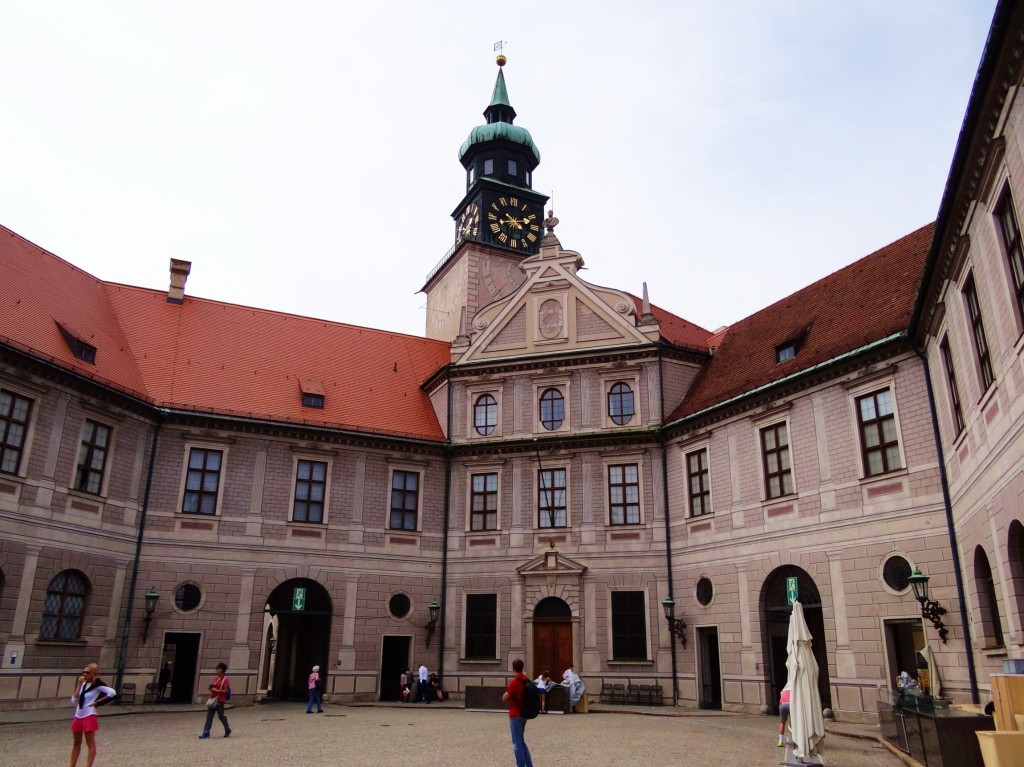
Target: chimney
<point x="179" y="273"/>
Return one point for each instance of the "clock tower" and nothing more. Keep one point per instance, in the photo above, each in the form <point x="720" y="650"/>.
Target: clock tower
<point x="498" y="222"/>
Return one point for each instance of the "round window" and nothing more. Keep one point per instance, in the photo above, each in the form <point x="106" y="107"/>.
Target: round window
<point x="399" y="605"/>
<point x="705" y="591"/>
<point x="896" y="572"/>
<point x="187" y="597"/>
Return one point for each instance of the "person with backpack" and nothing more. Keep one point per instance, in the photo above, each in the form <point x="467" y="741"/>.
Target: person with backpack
<point x="315" y="691"/>
<point x="523" y="703"/>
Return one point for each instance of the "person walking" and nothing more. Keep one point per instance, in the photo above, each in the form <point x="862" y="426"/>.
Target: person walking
<point x="163" y="680"/>
<point x="89" y="693"/>
<point x="423" y="693"/>
<point x="783" y="714"/>
<point x="314" y="692"/>
<point x="516" y="722"/>
<point x="218" y="697"/>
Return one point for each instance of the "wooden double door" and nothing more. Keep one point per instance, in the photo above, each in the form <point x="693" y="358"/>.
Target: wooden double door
<point x="552" y="646"/>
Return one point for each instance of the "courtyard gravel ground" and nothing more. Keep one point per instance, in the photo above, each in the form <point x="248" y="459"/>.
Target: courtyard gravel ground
<point x="397" y="735"/>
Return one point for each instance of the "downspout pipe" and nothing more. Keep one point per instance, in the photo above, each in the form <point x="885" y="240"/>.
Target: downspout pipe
<point x="125" y="632"/>
<point x="954" y="546"/>
<point x="668" y="528"/>
<point x="447" y="515"/>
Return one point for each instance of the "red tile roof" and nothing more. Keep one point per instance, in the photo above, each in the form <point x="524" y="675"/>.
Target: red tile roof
<point x="865" y="302"/>
<point x="214" y="357"/>
<point x="674" y="329"/>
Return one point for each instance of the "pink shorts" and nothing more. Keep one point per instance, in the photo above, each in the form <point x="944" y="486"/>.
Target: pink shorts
<point x="89" y="723"/>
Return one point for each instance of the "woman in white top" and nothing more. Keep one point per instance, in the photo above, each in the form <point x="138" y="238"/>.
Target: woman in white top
<point x="89" y="693"/>
<point x="544" y="684"/>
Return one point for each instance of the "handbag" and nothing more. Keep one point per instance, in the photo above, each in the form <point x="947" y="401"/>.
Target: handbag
<point x="212" y="702"/>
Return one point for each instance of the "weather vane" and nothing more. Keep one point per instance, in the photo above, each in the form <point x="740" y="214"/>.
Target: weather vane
<point x="499" y="47"/>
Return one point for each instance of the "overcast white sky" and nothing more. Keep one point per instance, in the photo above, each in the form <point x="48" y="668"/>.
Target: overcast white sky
<point x="303" y="155"/>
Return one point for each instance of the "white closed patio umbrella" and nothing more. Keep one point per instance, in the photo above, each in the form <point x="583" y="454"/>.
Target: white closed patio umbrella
<point x="806" y="722"/>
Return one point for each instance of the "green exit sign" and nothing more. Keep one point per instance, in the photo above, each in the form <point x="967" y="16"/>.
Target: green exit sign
<point x="299" y="599"/>
<point x="792" y="592"/>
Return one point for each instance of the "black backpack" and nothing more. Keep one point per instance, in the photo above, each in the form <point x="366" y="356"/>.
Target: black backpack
<point x="530" y="706"/>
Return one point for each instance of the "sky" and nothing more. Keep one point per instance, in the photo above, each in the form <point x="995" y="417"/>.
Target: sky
<point x="304" y="155"/>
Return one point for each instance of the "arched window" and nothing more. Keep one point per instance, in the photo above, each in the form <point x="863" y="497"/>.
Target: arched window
<point x="988" y="603"/>
<point x="64" y="606"/>
<point x="1015" y="557"/>
<point x="485" y="414"/>
<point x="620" y="404"/>
<point x="552" y="409"/>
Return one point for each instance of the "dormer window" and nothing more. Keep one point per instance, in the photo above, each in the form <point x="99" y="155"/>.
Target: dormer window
<point x="82" y="350"/>
<point x="312" y="394"/>
<point x="785" y="352"/>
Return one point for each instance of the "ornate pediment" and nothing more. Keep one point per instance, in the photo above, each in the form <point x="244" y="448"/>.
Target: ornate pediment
<point x="553" y="310"/>
<point x="551" y="563"/>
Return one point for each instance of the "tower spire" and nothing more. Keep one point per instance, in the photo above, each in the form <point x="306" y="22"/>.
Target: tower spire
<point x="500" y="109"/>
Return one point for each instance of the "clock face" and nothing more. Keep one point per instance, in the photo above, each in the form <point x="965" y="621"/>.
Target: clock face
<point x="513" y="222"/>
<point x="469" y="222"/>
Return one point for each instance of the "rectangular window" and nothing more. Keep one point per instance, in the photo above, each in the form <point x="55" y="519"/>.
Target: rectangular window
<point x="551" y="507"/>
<point x="1010" y="231"/>
<point x="778" y="472"/>
<point x="624" y="494"/>
<point x="954" y="393"/>
<point x="488" y="167"/>
<point x="405" y="498"/>
<point x="484" y="502"/>
<point x="513" y="167"/>
<point x="202" y="483"/>
<point x="14" y="415"/>
<point x="698" y="482"/>
<point x="482" y="626"/>
<point x="629" y="626"/>
<point x="92" y="457"/>
<point x="981" y="350"/>
<point x="310" y="491"/>
<point x="879" y="443"/>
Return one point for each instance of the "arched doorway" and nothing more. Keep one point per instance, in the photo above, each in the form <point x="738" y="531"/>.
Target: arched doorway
<point x="552" y="637"/>
<point x="776" y="611"/>
<point x="296" y="637"/>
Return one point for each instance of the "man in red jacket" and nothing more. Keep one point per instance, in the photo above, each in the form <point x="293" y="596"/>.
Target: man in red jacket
<point x="517" y="724"/>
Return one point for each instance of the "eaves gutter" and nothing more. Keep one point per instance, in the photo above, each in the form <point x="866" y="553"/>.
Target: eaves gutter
<point x="900" y="336"/>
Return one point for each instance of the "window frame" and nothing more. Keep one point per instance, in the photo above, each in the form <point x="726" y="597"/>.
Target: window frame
<point x="59" y="616"/>
<point x="473" y="621"/>
<point x="537" y="496"/>
<point x="622" y="462"/>
<point x="952" y="390"/>
<point x="540" y="409"/>
<point x="104" y="475"/>
<point x="473" y="395"/>
<point x="478" y="471"/>
<point x="616" y="638"/>
<point x="1004" y="212"/>
<point x="860" y="394"/>
<point x="325" y="503"/>
<point x="705" y="494"/>
<point x="418" y="512"/>
<point x="610" y="392"/>
<point x="982" y="350"/>
<point x="21" y="463"/>
<point x="222" y="478"/>
<point x="763" y="451"/>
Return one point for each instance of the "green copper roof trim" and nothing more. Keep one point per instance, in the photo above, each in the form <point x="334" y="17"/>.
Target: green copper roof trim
<point x="484" y="133"/>
<point x="500" y="95"/>
<point x="901" y="335"/>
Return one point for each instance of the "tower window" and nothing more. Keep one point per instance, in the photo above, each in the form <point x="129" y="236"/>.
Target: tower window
<point x="528" y="182"/>
<point x="488" y="167"/>
<point x="513" y="167"/>
<point x="472" y="173"/>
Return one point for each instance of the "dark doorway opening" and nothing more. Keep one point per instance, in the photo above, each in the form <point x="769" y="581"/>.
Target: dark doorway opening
<point x="394" y="659"/>
<point x="181" y="653"/>
<point x="552" y="637"/>
<point x="710" y="670"/>
<point x="776" y="611"/>
<point x="303" y="636"/>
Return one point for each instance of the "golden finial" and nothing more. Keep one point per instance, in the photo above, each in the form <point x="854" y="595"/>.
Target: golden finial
<point x="501" y="59"/>
<point x="501" y="55"/>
